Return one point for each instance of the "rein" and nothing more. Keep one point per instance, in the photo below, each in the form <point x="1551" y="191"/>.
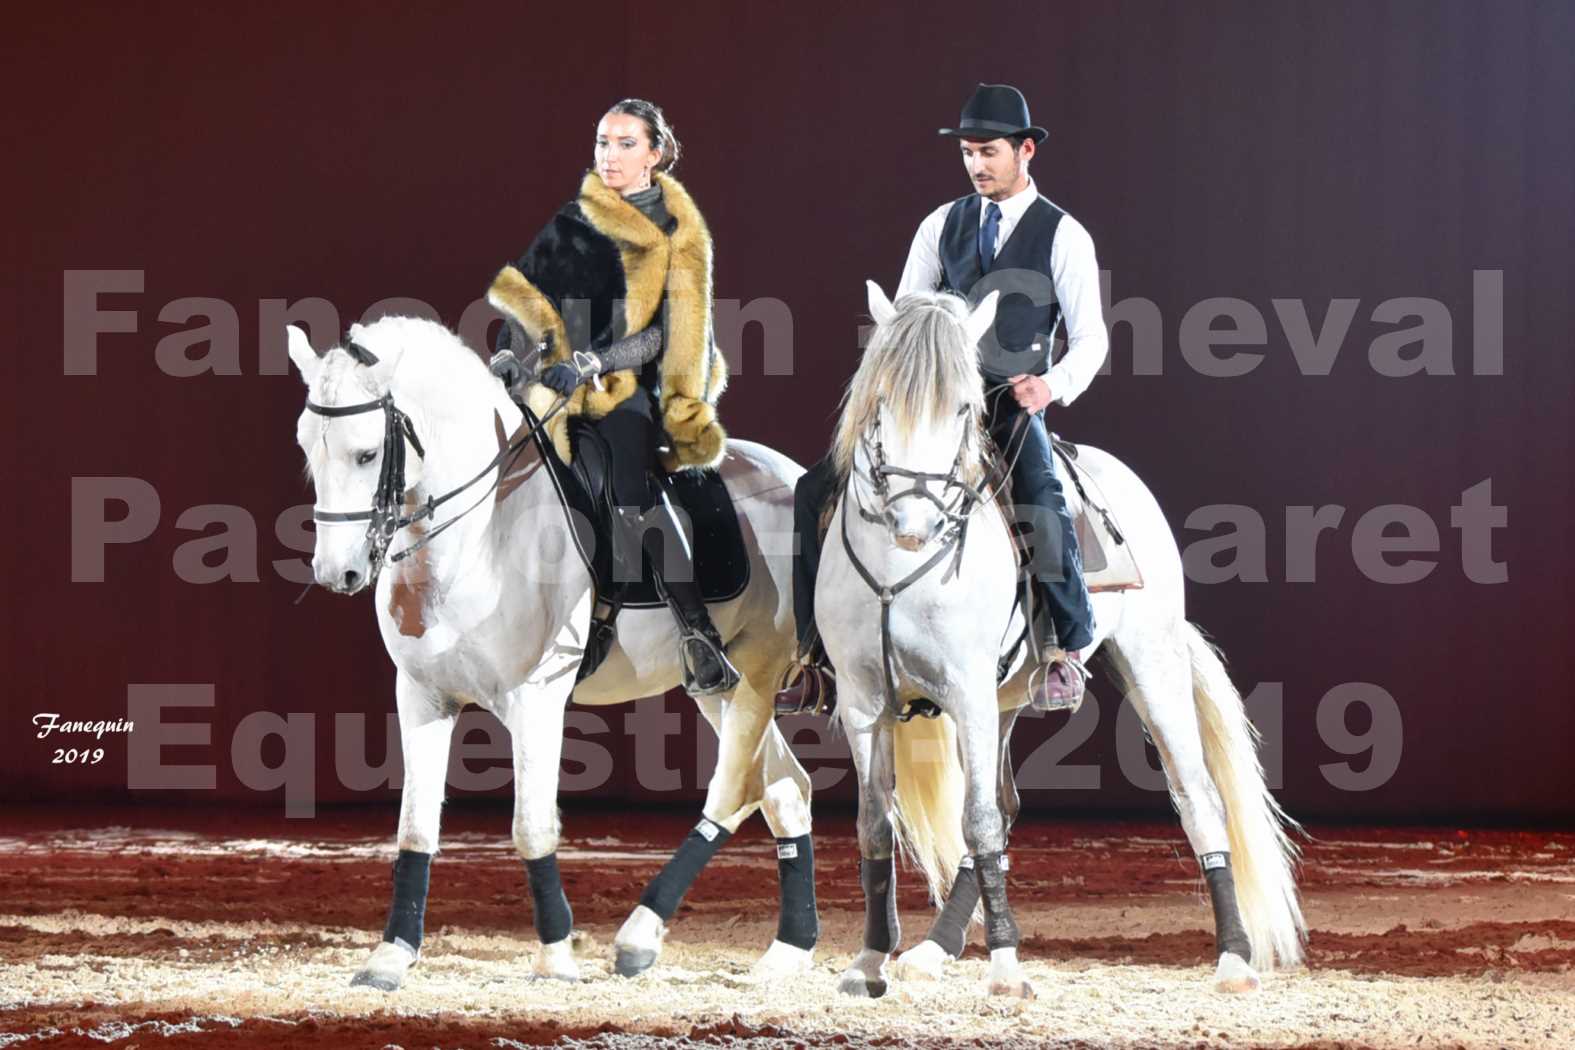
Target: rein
<point x="385" y="519"/>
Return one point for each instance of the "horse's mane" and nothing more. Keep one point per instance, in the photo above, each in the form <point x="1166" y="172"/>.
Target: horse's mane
<point x="923" y="370"/>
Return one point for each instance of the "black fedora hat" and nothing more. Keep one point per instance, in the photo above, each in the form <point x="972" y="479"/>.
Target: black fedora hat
<point x="996" y="111"/>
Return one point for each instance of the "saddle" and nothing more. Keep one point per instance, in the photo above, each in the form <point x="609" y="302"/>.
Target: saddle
<point x="585" y="489"/>
<point x="721" y="562"/>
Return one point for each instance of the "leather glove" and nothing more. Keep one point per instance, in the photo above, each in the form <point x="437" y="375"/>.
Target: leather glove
<point x="561" y="379"/>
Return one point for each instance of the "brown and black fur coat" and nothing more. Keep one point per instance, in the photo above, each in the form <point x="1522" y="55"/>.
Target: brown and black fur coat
<point x="601" y="270"/>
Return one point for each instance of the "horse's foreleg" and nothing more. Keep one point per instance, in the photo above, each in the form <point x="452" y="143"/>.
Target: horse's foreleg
<point x="426" y="725"/>
<point x="873" y="758"/>
<point x="948" y="934"/>
<point x="535" y="720"/>
<point x="984" y="831"/>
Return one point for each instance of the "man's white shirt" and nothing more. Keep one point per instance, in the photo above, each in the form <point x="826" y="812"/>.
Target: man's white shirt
<point x="1073" y="270"/>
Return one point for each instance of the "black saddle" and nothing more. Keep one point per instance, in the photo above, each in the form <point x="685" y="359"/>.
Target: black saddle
<point x="721" y="561"/>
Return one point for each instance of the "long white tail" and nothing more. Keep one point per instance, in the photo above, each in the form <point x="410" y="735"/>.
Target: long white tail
<point x="1263" y="857"/>
<point x="928" y="803"/>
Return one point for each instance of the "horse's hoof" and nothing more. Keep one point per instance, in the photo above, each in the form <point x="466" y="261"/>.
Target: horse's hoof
<point x="1235" y="976"/>
<point x="784" y="960"/>
<point x="925" y="961"/>
<point x="860" y="986"/>
<point x="385" y="969"/>
<point x="555" y="962"/>
<point x="381" y="981"/>
<point x="632" y="962"/>
<point x="638" y="943"/>
<point x="1012" y="989"/>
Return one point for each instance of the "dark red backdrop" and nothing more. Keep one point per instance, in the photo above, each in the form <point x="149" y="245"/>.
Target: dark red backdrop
<point x="356" y="152"/>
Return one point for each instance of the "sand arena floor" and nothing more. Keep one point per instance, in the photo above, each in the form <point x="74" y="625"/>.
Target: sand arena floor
<point x="206" y="929"/>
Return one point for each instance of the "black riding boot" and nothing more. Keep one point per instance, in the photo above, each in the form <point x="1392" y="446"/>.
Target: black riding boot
<point x="707" y="670"/>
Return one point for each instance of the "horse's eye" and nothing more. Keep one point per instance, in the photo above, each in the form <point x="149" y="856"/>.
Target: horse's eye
<point x="363" y="458"/>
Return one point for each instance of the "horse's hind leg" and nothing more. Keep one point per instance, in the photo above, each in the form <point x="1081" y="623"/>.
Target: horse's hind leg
<point x="638" y="942"/>
<point x="426" y="725"/>
<point x="785" y="805"/>
<point x="1160" y="675"/>
<point x="754" y="769"/>
<point x="875" y="762"/>
<point x="984" y="831"/>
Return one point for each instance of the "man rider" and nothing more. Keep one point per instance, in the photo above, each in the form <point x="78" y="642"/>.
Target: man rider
<point x="1004" y="235"/>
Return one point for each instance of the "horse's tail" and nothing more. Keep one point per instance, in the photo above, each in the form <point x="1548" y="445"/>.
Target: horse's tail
<point x="928" y="802"/>
<point x="1263" y="857"/>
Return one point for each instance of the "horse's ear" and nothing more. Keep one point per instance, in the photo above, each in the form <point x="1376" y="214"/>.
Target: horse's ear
<point x="306" y="360"/>
<point x="880" y="306"/>
<point x="981" y="318"/>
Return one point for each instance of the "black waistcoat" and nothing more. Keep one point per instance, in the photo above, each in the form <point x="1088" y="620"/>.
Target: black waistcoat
<point x="1019" y="320"/>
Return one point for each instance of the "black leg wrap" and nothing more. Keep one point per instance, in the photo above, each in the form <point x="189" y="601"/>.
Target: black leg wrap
<point x="799" y="923"/>
<point x="879" y="879"/>
<point x="407" y="915"/>
<point x="1229" y="933"/>
<point x="675" y="878"/>
<point x="1000" y="928"/>
<point x="950" y="930"/>
<point x="554" y="918"/>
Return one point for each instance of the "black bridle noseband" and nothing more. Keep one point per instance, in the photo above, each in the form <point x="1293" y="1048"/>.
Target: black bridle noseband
<point x="386" y="516"/>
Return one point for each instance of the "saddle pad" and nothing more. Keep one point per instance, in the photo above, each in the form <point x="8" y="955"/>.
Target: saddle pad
<point x="721" y="562"/>
<point x="1108" y="563"/>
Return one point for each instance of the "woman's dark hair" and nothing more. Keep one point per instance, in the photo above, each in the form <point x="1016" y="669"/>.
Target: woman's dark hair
<point x="656" y="126"/>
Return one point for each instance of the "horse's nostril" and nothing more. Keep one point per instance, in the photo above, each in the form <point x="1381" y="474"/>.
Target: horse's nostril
<point x="352" y="579"/>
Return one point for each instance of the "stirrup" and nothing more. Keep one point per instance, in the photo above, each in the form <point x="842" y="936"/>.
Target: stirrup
<point x="687" y="636"/>
<point x="1039" y="680"/>
<point x="817" y="695"/>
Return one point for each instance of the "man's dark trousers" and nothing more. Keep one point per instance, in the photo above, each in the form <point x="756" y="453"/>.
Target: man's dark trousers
<point x="1041" y="507"/>
<point x="810" y="496"/>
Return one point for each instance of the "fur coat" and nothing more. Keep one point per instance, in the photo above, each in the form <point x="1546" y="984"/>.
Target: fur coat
<point x="601" y="270"/>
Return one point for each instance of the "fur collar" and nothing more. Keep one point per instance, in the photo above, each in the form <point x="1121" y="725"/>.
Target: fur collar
<point x="656" y="267"/>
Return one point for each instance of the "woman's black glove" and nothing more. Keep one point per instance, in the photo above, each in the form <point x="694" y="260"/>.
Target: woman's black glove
<point x="564" y="377"/>
<point x="561" y="378"/>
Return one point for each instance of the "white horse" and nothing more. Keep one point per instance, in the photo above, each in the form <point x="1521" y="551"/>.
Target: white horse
<point x="492" y="607"/>
<point x="945" y="785"/>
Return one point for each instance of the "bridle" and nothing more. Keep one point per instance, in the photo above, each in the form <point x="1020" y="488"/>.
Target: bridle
<point x="386" y="517"/>
<point x="952" y="529"/>
<point x="953" y="512"/>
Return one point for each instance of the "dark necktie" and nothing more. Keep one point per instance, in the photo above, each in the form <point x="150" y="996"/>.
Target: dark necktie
<point x="987" y="232"/>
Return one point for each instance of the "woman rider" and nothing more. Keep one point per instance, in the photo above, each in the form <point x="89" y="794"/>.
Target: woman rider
<point x="615" y="293"/>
